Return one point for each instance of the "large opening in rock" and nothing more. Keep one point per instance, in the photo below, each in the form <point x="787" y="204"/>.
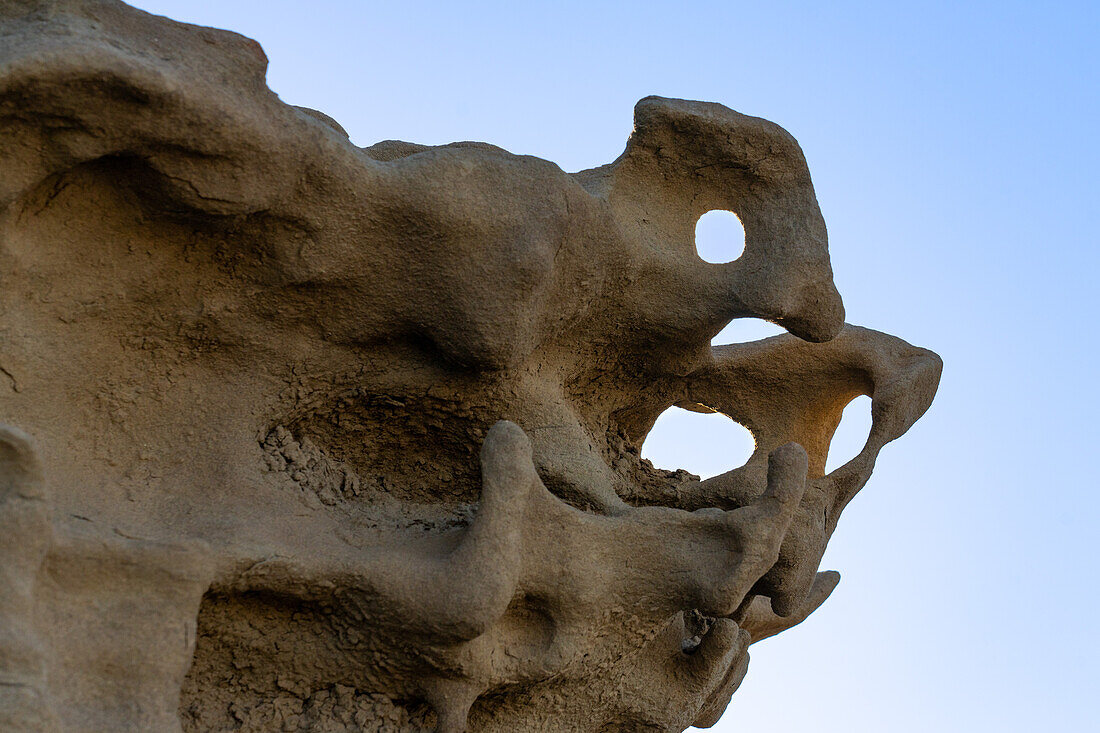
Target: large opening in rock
<point x="704" y="444"/>
<point x="851" y="434"/>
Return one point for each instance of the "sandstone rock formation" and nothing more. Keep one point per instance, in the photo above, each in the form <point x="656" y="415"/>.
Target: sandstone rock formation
<point x="311" y="437"/>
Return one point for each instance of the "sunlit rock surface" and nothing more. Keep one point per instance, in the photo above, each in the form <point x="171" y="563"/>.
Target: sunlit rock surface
<point x="306" y="436"/>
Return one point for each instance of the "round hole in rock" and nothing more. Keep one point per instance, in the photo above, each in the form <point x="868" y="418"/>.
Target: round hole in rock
<point x="719" y="237"/>
<point x="704" y="444"/>
<point x="851" y="434"/>
<point x="744" y="330"/>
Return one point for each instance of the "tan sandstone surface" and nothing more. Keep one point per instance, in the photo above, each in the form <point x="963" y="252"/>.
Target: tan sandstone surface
<point x="302" y="436"/>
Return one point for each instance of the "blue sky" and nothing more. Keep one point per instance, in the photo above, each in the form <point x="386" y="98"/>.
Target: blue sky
<point x="954" y="148"/>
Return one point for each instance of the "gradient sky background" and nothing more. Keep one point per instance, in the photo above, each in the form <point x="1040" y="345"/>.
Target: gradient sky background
<point x="954" y="148"/>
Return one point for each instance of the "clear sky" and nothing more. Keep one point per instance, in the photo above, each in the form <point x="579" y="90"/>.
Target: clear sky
<point x="954" y="148"/>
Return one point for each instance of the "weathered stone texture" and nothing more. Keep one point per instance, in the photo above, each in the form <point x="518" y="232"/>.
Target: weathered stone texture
<point x="334" y="438"/>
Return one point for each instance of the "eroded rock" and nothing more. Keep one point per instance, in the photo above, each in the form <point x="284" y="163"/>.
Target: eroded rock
<point x="338" y="438"/>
